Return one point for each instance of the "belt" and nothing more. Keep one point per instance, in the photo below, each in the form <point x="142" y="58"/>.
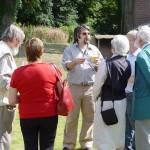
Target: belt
<point x="129" y="93"/>
<point x="83" y="84"/>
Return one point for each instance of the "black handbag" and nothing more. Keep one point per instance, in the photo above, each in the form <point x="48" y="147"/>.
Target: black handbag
<point x="109" y="116"/>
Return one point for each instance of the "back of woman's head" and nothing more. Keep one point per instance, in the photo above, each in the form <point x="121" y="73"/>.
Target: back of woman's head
<point x="34" y="48"/>
<point x="120" y="44"/>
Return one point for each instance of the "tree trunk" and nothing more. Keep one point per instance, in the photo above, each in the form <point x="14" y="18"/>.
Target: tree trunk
<point x="127" y="15"/>
<point x="7" y="13"/>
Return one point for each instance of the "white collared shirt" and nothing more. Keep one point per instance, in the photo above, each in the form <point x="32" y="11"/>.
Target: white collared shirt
<point x="132" y="58"/>
<point x="81" y="73"/>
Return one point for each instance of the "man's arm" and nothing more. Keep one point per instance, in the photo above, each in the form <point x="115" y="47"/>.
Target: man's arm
<point x="13" y="96"/>
<point x="5" y="74"/>
<point x="72" y="64"/>
<point x="131" y="79"/>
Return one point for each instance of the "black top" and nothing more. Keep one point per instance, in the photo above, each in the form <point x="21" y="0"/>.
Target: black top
<point x="119" y="71"/>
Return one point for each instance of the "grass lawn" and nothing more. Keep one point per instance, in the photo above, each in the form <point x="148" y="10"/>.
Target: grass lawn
<point x="52" y="53"/>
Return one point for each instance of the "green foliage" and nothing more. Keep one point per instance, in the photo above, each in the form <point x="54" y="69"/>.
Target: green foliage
<point x="69" y="30"/>
<point x="35" y="12"/>
<point x="100" y="15"/>
<point x="8" y="12"/>
<point x="30" y="5"/>
<point x="29" y="31"/>
<point x="106" y="20"/>
<point x="64" y="12"/>
<point x="86" y="9"/>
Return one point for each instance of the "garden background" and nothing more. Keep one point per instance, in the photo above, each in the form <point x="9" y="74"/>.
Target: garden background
<point x="53" y="21"/>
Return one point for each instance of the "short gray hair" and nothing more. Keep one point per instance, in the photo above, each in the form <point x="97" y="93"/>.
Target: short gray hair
<point x="144" y="34"/>
<point x="13" y="32"/>
<point x="133" y="33"/>
<point x="120" y="43"/>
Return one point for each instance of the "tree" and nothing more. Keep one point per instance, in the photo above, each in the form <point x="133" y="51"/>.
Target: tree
<point x="35" y="12"/>
<point x="107" y="19"/>
<point x="7" y="13"/>
<point x="64" y="12"/>
<point x="126" y="15"/>
<point x="102" y="15"/>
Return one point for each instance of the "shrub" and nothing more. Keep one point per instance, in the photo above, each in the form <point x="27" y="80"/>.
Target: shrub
<point x="70" y="30"/>
<point x="56" y="35"/>
<point x="41" y="32"/>
<point x="29" y="31"/>
<point x="46" y="34"/>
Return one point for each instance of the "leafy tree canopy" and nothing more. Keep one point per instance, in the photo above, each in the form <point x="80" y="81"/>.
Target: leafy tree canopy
<point x="35" y="12"/>
<point x="102" y="15"/>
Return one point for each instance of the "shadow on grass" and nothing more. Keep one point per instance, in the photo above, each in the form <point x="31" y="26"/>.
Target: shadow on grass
<point x="54" y="48"/>
<point x="51" y="48"/>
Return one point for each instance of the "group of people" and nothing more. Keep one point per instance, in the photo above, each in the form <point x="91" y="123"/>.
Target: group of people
<point x="121" y="82"/>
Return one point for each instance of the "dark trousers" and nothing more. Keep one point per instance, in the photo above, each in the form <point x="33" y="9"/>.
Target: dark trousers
<point x="130" y="127"/>
<point x="43" y="129"/>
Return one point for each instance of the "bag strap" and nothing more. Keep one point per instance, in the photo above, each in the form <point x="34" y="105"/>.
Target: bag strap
<point x="56" y="72"/>
<point x="108" y="70"/>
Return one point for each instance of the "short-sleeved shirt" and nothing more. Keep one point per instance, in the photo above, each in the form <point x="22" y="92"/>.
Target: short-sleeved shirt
<point x="81" y="73"/>
<point x="132" y="59"/>
<point x="36" y="84"/>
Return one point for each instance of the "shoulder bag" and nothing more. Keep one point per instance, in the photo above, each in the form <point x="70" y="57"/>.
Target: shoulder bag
<point x="65" y="102"/>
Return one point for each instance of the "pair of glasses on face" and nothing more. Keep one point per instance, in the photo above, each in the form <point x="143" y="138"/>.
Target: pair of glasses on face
<point x="85" y="33"/>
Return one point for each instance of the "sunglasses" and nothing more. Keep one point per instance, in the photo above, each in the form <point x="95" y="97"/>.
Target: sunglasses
<point x="85" y="33"/>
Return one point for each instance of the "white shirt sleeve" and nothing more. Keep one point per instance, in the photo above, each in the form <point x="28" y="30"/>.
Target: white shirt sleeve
<point x="100" y="78"/>
<point x="5" y="72"/>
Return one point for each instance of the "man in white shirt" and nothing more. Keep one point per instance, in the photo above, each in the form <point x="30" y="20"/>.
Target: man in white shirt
<point x="77" y="60"/>
<point x="130" y="131"/>
<point x="12" y="38"/>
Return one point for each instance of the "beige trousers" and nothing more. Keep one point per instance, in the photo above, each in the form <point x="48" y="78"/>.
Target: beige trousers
<point x="6" y="119"/>
<point x="82" y="96"/>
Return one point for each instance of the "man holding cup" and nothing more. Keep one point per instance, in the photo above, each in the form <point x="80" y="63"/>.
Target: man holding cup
<point x="77" y="60"/>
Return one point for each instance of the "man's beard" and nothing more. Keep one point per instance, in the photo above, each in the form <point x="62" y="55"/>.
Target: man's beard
<point x="86" y="41"/>
<point x="15" y="51"/>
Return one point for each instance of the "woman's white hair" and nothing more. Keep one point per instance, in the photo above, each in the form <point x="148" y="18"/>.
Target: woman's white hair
<point x="144" y="34"/>
<point x="120" y="43"/>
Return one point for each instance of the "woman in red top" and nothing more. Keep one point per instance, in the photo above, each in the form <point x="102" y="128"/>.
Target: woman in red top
<point x="36" y="84"/>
